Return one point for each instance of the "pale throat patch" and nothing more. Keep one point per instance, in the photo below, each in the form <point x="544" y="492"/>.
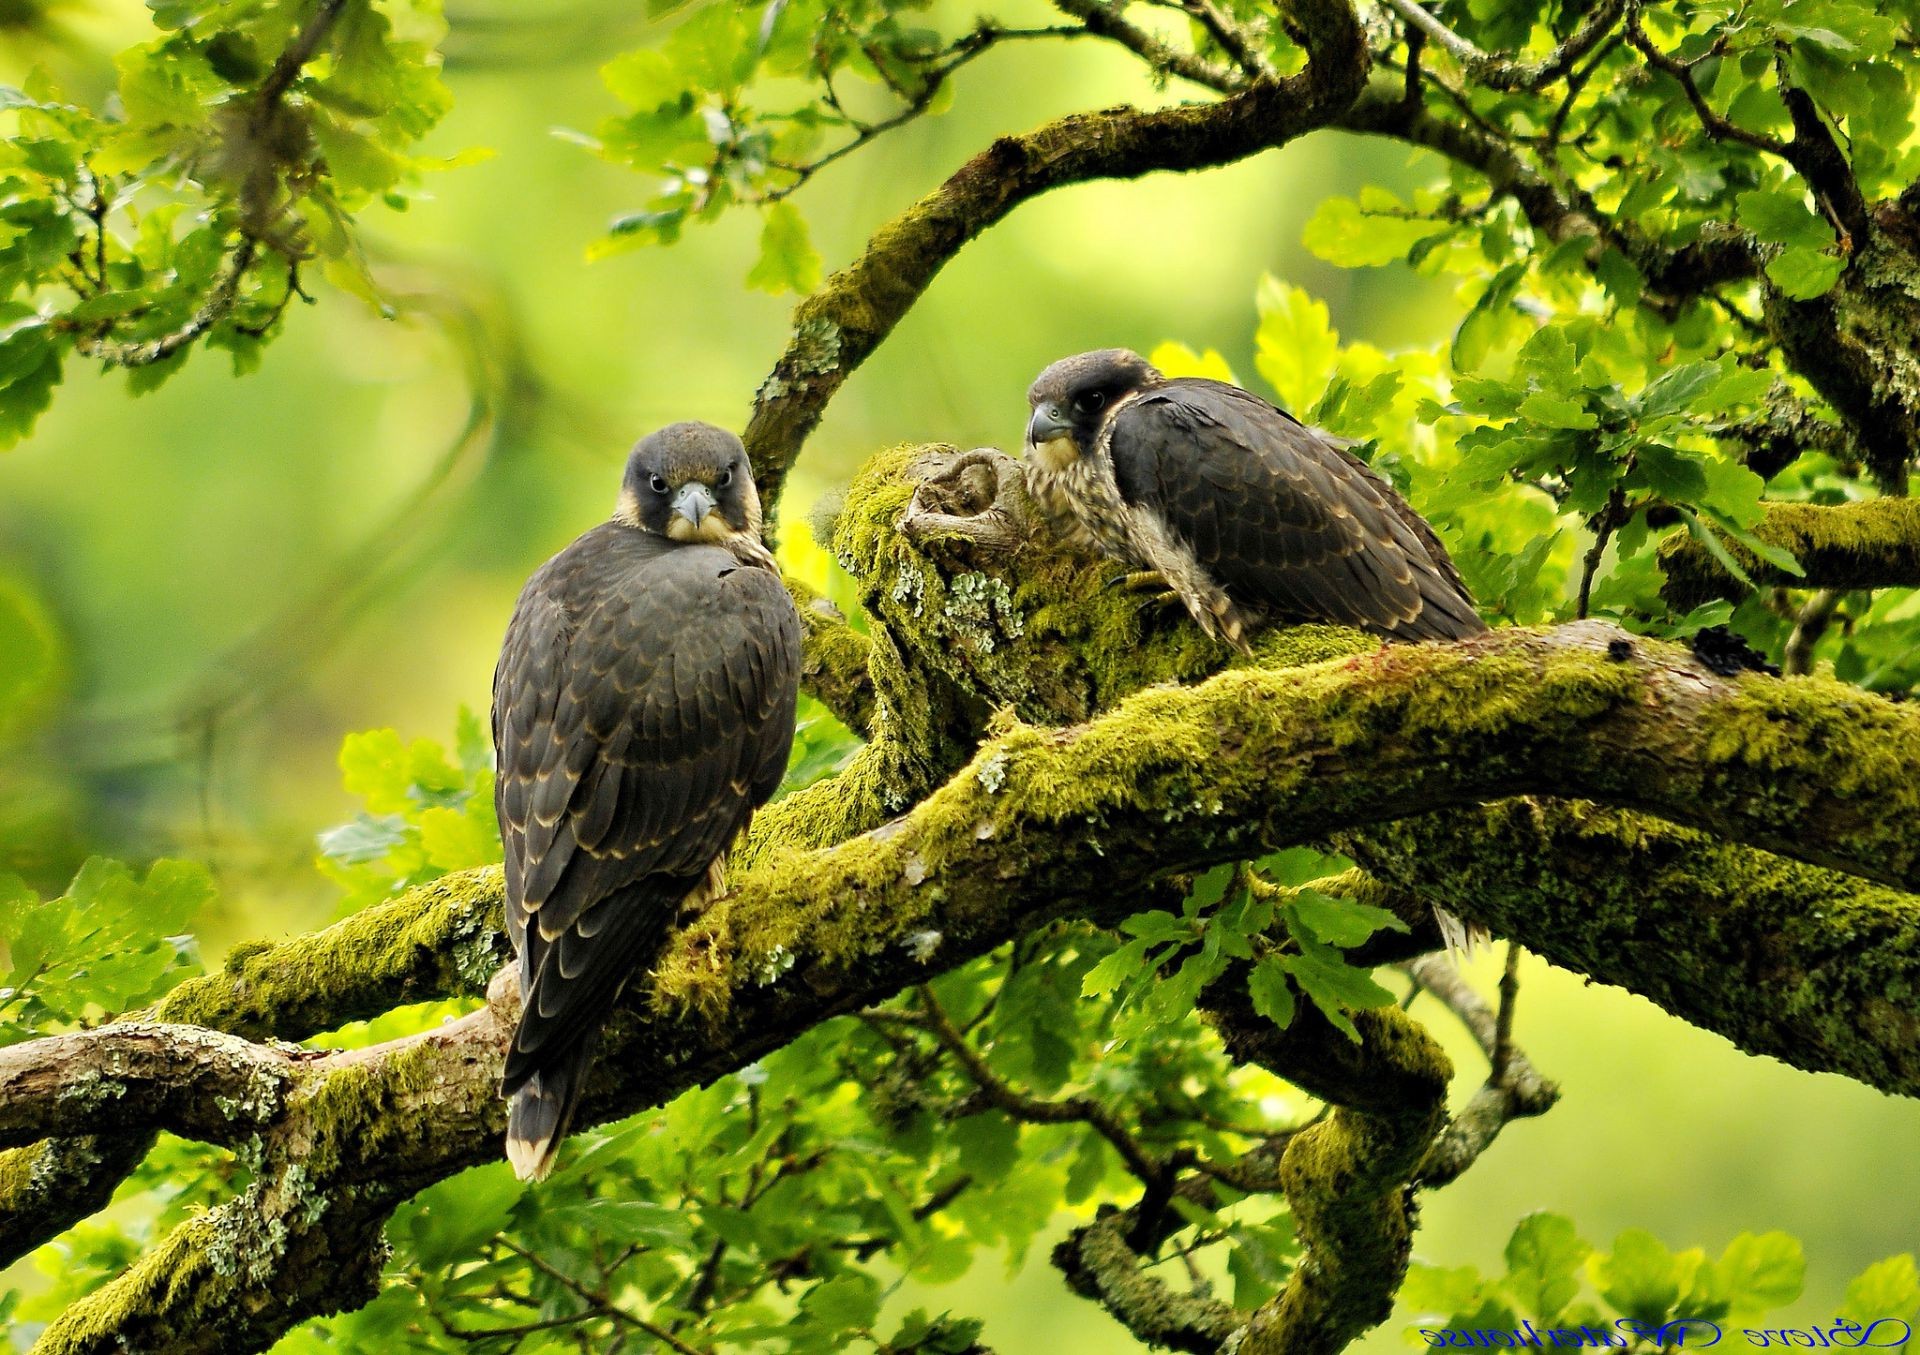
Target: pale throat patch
<point x="713" y="529"/>
<point x="1056" y="454"/>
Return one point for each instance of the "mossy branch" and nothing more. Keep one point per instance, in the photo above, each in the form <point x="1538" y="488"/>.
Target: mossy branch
<point x="1872" y="544"/>
<point x="1173" y="779"/>
<point x="1083" y="795"/>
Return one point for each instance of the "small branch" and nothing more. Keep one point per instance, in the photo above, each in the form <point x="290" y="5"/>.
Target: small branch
<point x="1348" y="1177"/>
<point x="1513" y="1089"/>
<point x="1500" y="1057"/>
<point x="1808" y="627"/>
<point x="1104" y="20"/>
<point x="1242" y="46"/>
<point x="836" y="328"/>
<point x="1719" y="255"/>
<point x="599" y="1304"/>
<point x="1717" y="127"/>
<point x="1032" y="1109"/>
<point x="1100" y="1265"/>
<point x="304" y="47"/>
<point x="217" y="305"/>
<point x="1609" y="517"/>
<point x="1870" y="544"/>
<point x="1504" y="72"/>
<point x="915" y="103"/>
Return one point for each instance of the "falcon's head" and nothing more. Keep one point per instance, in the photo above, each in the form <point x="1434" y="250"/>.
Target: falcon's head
<point x="692" y="482"/>
<point x="1071" y="399"/>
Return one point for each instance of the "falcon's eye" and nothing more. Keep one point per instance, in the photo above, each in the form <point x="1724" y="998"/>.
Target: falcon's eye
<point x="659" y="484"/>
<point x="726" y="478"/>
<point x="1090" y="403"/>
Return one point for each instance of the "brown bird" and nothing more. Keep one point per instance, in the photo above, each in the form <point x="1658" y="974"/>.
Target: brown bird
<point x="1242" y="511"/>
<point x="643" y="708"/>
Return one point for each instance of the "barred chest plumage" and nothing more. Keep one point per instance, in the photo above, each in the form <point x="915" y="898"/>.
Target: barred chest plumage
<point x="1082" y="495"/>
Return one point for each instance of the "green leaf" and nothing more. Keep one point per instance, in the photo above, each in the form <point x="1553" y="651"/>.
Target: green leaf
<point x="1885" y="1289"/>
<point x="1782" y="217"/>
<point x="446" y="1223"/>
<point x="1335" y="986"/>
<point x="1444" y="1293"/>
<point x="844" y="1303"/>
<point x="1340" y="922"/>
<point x="1105" y="978"/>
<point x="1706" y="536"/>
<point x="1557" y="411"/>
<point x="1270" y="991"/>
<point x="1761" y="1272"/>
<point x="1804" y="274"/>
<point x="1640" y="1278"/>
<point x="1295" y="344"/>
<point x="788" y="260"/>
<point x="1542" y="1257"/>
<point x="1341" y="233"/>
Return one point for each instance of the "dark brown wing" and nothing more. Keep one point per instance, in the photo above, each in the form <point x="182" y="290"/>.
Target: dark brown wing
<point x="1282" y="517"/>
<point x="643" y="708"/>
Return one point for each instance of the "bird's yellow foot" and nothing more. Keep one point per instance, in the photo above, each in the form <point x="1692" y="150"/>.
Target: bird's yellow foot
<point x="1141" y="581"/>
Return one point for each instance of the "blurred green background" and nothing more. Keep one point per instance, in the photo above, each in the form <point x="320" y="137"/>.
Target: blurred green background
<point x="240" y="571"/>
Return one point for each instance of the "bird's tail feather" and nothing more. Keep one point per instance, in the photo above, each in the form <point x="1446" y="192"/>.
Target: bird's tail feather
<point x="541" y="1109"/>
<point x="1462" y="939"/>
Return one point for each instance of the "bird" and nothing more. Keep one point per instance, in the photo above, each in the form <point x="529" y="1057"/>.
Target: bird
<point x="1233" y="505"/>
<point x="643" y="709"/>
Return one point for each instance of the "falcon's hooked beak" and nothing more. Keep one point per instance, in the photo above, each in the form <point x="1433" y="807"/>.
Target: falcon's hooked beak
<point x="1050" y="437"/>
<point x="692" y="503"/>
<point x="690" y="517"/>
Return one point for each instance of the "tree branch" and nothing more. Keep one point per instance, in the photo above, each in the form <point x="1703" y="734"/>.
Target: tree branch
<point x="133" y="1075"/>
<point x="1870" y="544"/>
<point x="836" y="328"/>
<point x="1049" y="822"/>
<point x="1512" y="1092"/>
<point x="1498" y="71"/>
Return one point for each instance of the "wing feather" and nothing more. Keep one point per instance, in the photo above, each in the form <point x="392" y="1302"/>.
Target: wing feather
<point x="1282" y="517"/>
<point x="643" y="708"/>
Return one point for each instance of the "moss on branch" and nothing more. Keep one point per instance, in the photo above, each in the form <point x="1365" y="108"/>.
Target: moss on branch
<point x="1874" y="544"/>
<point x="440" y="940"/>
<point x="1096" y="785"/>
<point x="1348" y="1178"/>
<point x="1812" y="967"/>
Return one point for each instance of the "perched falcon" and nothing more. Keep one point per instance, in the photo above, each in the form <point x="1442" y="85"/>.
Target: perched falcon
<point x="1244" y="513"/>
<point x="642" y="710"/>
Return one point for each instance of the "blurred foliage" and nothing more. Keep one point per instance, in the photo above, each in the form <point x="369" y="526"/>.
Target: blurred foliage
<point x="112" y="943"/>
<point x="424" y="814"/>
<point x="1650" y="1298"/>
<point x="234" y="152"/>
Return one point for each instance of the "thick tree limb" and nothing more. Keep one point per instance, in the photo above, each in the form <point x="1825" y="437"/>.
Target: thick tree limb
<point x="836" y="328"/>
<point x="1044" y="822"/>
<point x="1872" y="544"/>
<point x="1801" y="962"/>
<point x="134" y="1075"/>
